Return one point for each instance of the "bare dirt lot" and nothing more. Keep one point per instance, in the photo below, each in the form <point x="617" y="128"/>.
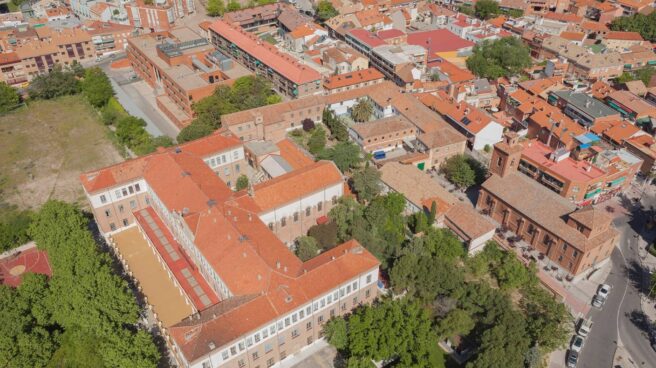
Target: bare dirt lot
<point x="45" y="146"/>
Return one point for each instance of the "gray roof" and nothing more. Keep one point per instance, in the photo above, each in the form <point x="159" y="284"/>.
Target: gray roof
<point x="261" y="148"/>
<point x="589" y="105"/>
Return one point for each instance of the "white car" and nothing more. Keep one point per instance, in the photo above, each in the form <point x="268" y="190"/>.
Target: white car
<point x="603" y="291"/>
<point x="577" y="343"/>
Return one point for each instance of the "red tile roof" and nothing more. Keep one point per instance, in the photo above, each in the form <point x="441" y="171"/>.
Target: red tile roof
<point x="579" y="171"/>
<point x="293" y="155"/>
<point x="457" y="111"/>
<point x="352" y="78"/>
<point x="282" y="63"/>
<point x="389" y="33"/>
<point x="367" y="37"/>
<point x="439" y="40"/>
<point x="629" y="36"/>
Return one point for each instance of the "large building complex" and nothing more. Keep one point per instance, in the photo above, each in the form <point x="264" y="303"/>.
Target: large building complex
<point x="243" y="299"/>
<point x="287" y="75"/>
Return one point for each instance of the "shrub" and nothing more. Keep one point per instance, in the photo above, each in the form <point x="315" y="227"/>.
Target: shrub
<point x="325" y="234"/>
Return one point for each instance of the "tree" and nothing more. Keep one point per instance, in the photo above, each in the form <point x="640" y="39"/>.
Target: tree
<point x="317" y="141"/>
<point x="397" y="330"/>
<point x="96" y="87"/>
<point x="507" y="57"/>
<point x="511" y="273"/>
<point x="233" y="6"/>
<point x="336" y="333"/>
<point x="308" y="124"/>
<point x="9" y="97"/>
<point x="194" y="131"/>
<point x="274" y="98"/>
<point x="58" y="82"/>
<point x="486" y="9"/>
<point x="325" y="235"/>
<point x="505" y="344"/>
<point x="326" y="10"/>
<point x="547" y="319"/>
<point x="366" y="183"/>
<point x="362" y="110"/>
<point x="215" y="8"/>
<point x="643" y="24"/>
<point x="456" y="322"/>
<point x="306" y="248"/>
<point x="345" y="155"/>
<point x="242" y="182"/>
<point x="458" y="171"/>
<point x="344" y="215"/>
<point x="337" y="128"/>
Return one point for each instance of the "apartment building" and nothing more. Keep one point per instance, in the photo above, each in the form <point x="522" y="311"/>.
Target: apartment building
<point x="342" y="58"/>
<point x="403" y="64"/>
<point x="159" y="15"/>
<point x="383" y="135"/>
<point x="11" y="70"/>
<point x="622" y="41"/>
<point x="288" y="75"/>
<point x="253" y="301"/>
<point x="582" y="62"/>
<point x="178" y="64"/>
<point x="583" y="109"/>
<point x="352" y="80"/>
<point x="441" y="145"/>
<point x="259" y="16"/>
<point x="109" y="38"/>
<point x="632" y="107"/>
<point x="585" y="175"/>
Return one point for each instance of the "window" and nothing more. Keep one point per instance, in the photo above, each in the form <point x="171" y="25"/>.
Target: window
<point x="225" y="355"/>
<point x="108" y="213"/>
<point x="206" y="364"/>
<point x="256" y="338"/>
<point x="355" y="300"/>
<point x="131" y="189"/>
<point x="270" y="226"/>
<point x="281" y="340"/>
<point x="287" y="322"/>
<point x="319" y="206"/>
<point x="137" y="187"/>
<point x="112" y="227"/>
<point x="307" y="211"/>
<point x="235" y="155"/>
<point x="125" y="222"/>
<point x="241" y="346"/>
<point x="125" y="192"/>
<point x="560" y="258"/>
<point x="368" y="279"/>
<point x="265" y="333"/>
<point x="237" y="168"/>
<point x="308" y="310"/>
<point x="301" y="314"/>
<point x="103" y="199"/>
<point x="283" y="222"/>
<point x="270" y="362"/>
<point x="283" y="355"/>
<point x="120" y="208"/>
<point x="499" y="161"/>
<point x="294" y="318"/>
<point x="256" y="355"/>
<point x="233" y="350"/>
<point x="133" y="204"/>
<point x="280" y="325"/>
<point x="294" y="333"/>
<point x="564" y="246"/>
<point x="226" y="171"/>
<point x="355" y="285"/>
<point x="241" y="363"/>
<point x="343" y="306"/>
<point x="367" y="294"/>
<point x="320" y="319"/>
<point x="575" y="253"/>
<point x="295" y="216"/>
<point x="308" y="325"/>
<point x="268" y="347"/>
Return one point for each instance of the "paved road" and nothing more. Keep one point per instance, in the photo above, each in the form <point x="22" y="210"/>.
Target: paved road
<point x="621" y="308"/>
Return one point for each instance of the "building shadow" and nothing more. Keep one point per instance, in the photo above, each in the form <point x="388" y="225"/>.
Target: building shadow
<point x="638" y="276"/>
<point x="640" y="320"/>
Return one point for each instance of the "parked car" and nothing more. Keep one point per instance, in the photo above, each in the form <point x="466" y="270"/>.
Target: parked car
<point x="584" y="327"/>
<point x="603" y="291"/>
<point x="572" y="359"/>
<point x="598" y="301"/>
<point x="577" y="343"/>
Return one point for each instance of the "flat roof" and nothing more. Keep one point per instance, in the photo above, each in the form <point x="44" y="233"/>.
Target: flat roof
<point x="154" y="280"/>
<point x="585" y="103"/>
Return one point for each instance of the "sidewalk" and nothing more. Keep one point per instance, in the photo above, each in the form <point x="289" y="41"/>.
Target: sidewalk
<point x="622" y="358"/>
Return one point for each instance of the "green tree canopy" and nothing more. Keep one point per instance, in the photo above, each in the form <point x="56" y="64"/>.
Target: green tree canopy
<point x="458" y="171"/>
<point x="337" y="129"/>
<point x="643" y="24"/>
<point x="13" y="228"/>
<point x="317" y="140"/>
<point x="366" y="183"/>
<point x="456" y="322"/>
<point x="486" y="9"/>
<point x="306" y="247"/>
<point x="233" y="6"/>
<point x="345" y="155"/>
<point x="325" y="10"/>
<point x="507" y="57"/>
<point x="336" y="333"/>
<point x="215" y="8"/>
<point x="96" y="87"/>
<point x="59" y="82"/>
<point x="9" y="97"/>
<point x="362" y="110"/>
<point x="242" y="182"/>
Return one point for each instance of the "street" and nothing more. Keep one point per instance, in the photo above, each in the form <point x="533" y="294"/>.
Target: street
<point x="622" y="311"/>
